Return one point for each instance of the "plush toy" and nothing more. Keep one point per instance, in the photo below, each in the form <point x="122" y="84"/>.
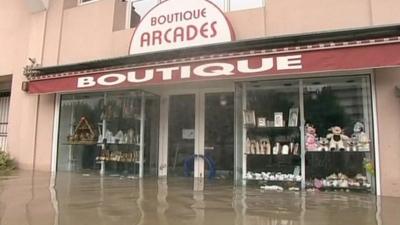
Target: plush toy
<point x="360" y="137"/>
<point x="323" y="144"/>
<point x="337" y="139"/>
<point x="311" y="138"/>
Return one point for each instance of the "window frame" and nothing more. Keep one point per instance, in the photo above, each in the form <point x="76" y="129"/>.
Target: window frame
<point x="81" y="2"/>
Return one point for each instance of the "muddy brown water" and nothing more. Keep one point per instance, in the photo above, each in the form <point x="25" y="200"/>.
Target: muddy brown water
<point x="83" y="199"/>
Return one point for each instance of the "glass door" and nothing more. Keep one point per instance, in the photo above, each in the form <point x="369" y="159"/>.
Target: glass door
<point x="181" y="135"/>
<point x="218" y="135"/>
<point x="200" y="135"/>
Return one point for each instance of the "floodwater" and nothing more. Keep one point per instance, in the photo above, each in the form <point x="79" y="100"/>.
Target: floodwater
<point x="83" y="199"/>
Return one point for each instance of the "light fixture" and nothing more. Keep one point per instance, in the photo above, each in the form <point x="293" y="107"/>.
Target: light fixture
<point x="222" y="100"/>
<point x="397" y="90"/>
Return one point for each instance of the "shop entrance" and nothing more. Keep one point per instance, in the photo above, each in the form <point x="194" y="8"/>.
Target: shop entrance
<point x="201" y="135"/>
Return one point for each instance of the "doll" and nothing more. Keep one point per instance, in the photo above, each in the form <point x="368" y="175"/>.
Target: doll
<point x="311" y="138"/>
<point x="360" y="137"/>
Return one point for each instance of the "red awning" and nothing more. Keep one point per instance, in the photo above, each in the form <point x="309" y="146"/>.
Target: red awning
<point x="338" y="56"/>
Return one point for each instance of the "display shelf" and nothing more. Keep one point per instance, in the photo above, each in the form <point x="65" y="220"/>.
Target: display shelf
<point x="352" y="189"/>
<point x="271" y="155"/>
<point x="271" y="128"/>
<point x="336" y="152"/>
<point x="112" y="120"/>
<point x="115" y="161"/>
<point x="121" y="144"/>
<point x="272" y="181"/>
<point x="284" y="184"/>
<point x="90" y="144"/>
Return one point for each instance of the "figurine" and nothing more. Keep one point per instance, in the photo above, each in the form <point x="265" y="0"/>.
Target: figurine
<point x="119" y="137"/>
<point x="276" y="149"/>
<point x="258" y="149"/>
<point x="265" y="146"/>
<point x="323" y="144"/>
<point x="248" y="146"/>
<point x="337" y="139"/>
<point x="131" y="136"/>
<point x="360" y="137"/>
<point x="252" y="147"/>
<point x="285" y="150"/>
<point x="311" y="138"/>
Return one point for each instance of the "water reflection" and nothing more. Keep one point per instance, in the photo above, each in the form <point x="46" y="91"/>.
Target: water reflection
<point x="39" y="198"/>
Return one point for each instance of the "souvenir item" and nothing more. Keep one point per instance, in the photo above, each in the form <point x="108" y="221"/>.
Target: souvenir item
<point x="253" y="147"/>
<point x="83" y="133"/>
<point x="360" y="138"/>
<point x="296" y="149"/>
<point x="278" y="119"/>
<point x="249" y="117"/>
<point x="291" y="147"/>
<point x="285" y="150"/>
<point x="311" y="138"/>
<point x="125" y="139"/>
<point x="272" y="188"/>
<point x="248" y="146"/>
<point x="293" y="117"/>
<point x="276" y="149"/>
<point x="109" y="136"/>
<point x="262" y="147"/>
<point x="323" y="144"/>
<point x="265" y="146"/>
<point x="258" y="150"/>
<point x="131" y="136"/>
<point x="119" y="137"/>
<point x="261" y="122"/>
<point x="337" y="139"/>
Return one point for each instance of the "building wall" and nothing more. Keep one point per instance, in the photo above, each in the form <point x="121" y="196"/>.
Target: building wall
<point x="68" y="33"/>
<point x="303" y="16"/>
<point x="24" y="39"/>
<point x="388" y="109"/>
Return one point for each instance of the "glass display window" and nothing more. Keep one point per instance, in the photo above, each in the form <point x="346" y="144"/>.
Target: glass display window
<point x="311" y="133"/>
<point x="338" y="133"/>
<point x="272" y="135"/>
<point x="114" y="133"/>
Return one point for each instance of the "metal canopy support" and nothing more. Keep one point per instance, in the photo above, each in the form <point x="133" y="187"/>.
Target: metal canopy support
<point x="302" y="135"/>
<point x="142" y="126"/>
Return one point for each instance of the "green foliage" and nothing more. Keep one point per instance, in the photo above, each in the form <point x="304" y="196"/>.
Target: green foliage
<point x="6" y="163"/>
<point x="369" y="166"/>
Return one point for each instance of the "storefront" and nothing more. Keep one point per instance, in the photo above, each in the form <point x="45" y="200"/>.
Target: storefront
<point x="295" y="112"/>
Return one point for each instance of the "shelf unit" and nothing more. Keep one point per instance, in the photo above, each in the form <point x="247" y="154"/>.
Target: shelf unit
<point x="133" y="118"/>
<point x="284" y="135"/>
<point x="250" y="100"/>
<point x="114" y="147"/>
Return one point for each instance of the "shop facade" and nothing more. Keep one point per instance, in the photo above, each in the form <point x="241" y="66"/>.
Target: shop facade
<point x="297" y="112"/>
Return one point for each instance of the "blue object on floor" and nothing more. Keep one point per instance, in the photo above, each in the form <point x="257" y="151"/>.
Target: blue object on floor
<point x="188" y="165"/>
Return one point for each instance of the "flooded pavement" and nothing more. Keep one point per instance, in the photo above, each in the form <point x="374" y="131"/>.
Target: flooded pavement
<point x="83" y="199"/>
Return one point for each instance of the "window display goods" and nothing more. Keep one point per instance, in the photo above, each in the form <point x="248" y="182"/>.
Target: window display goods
<point x="110" y="136"/>
<point x="334" y="117"/>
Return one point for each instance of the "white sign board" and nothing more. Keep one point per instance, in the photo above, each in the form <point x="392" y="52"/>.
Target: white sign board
<point x="176" y="24"/>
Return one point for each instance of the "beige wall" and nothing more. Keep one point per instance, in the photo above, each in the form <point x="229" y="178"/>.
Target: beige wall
<point x="240" y="21"/>
<point x="13" y="42"/>
<point x="16" y="47"/>
<point x="388" y="109"/>
<point x="299" y="16"/>
<point x="385" y="12"/>
<point x="87" y="37"/>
